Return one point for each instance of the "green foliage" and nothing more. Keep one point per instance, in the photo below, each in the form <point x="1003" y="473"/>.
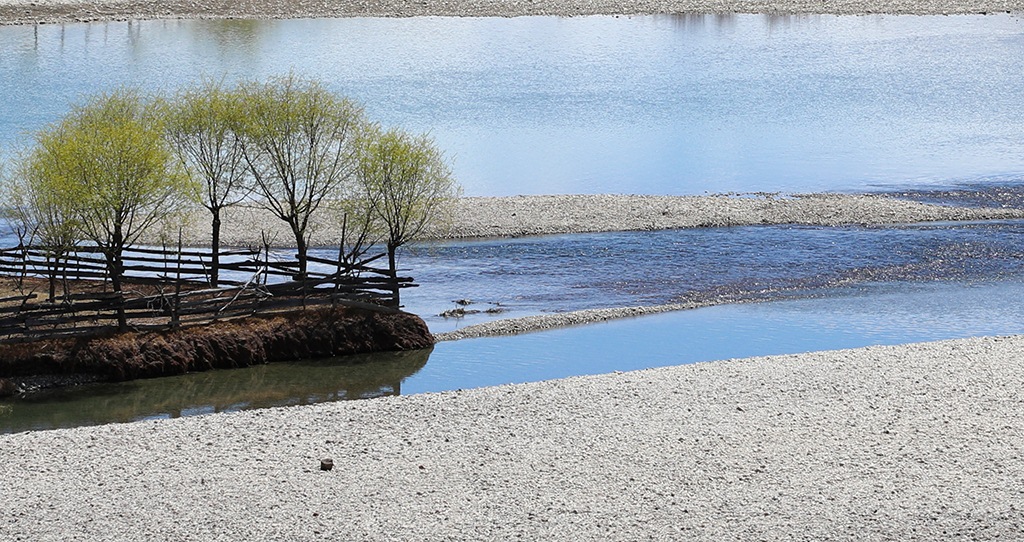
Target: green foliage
<point x="407" y="182"/>
<point x="299" y="144"/>
<point x="110" y="158"/>
<point x="200" y="125"/>
<point x="108" y="171"/>
<point x="408" y="186"/>
<point x="40" y="213"/>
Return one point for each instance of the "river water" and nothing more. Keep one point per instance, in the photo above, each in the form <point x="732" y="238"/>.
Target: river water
<point x="931" y="108"/>
<point x="654" y="105"/>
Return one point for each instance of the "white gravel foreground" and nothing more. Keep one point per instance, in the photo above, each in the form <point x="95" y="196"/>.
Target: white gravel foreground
<point x="915" y="442"/>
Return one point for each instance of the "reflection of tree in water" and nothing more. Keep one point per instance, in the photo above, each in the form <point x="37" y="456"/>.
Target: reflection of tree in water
<point x="690" y="22"/>
<point x="359" y="376"/>
<point x="230" y="35"/>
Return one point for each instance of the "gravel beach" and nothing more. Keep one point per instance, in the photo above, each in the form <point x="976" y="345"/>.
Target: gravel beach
<point x="914" y="442"/>
<point x="34" y="11"/>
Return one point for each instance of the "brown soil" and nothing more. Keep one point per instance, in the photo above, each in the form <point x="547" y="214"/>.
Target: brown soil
<point x="313" y="333"/>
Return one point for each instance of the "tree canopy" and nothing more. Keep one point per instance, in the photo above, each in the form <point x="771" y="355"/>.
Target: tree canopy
<point x="408" y="185"/>
<point x="299" y="142"/>
<point x="202" y="125"/>
<point x="123" y="162"/>
<point x="105" y="171"/>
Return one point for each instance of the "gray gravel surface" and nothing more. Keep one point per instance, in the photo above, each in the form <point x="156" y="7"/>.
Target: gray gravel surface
<point x="541" y="215"/>
<point x="915" y="442"/>
<point x="29" y="11"/>
<point x="536" y="215"/>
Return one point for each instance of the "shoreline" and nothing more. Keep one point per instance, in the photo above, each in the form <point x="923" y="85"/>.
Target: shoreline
<point x="918" y="441"/>
<point x="14" y="12"/>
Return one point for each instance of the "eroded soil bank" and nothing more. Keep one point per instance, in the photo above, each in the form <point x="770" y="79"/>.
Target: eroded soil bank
<point x="314" y="333"/>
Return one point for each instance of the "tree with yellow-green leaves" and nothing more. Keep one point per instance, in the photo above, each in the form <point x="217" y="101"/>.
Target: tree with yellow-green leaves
<point x="408" y="186"/>
<point x="41" y="216"/>
<point x="202" y="126"/>
<point x="299" y="142"/>
<point x="109" y="163"/>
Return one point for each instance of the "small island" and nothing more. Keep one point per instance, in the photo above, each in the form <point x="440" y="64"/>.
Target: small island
<point x="97" y="289"/>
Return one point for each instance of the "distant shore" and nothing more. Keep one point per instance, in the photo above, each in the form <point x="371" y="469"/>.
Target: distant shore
<point x="519" y="216"/>
<point x="56" y="11"/>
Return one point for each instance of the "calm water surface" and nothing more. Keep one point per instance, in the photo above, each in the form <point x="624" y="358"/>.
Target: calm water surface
<point x="658" y="105"/>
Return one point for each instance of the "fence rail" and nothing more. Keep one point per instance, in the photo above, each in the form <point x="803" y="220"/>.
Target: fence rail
<point x="69" y="294"/>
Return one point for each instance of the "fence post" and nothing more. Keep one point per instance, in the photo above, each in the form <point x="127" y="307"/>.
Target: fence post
<point x="176" y="303"/>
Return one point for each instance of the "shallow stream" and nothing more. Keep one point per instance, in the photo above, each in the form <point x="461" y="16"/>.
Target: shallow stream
<point x="881" y="313"/>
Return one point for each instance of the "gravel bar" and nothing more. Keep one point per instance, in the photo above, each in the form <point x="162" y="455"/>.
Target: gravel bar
<point x="913" y="442"/>
<point x="529" y="324"/>
<point x="481" y="217"/>
<point x="541" y="215"/>
<point x="36" y="11"/>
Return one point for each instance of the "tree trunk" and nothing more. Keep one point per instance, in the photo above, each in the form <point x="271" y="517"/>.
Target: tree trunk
<point x="116" y="263"/>
<point x="300" y="252"/>
<point x="215" y="249"/>
<point x="54" y="267"/>
<point x="393" y="272"/>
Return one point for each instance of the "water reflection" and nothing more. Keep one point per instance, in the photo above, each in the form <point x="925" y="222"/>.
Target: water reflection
<point x="231" y="34"/>
<point x="277" y="384"/>
<point x="688" y="23"/>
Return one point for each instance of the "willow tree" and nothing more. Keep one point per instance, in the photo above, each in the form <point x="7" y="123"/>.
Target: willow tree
<point x="299" y="145"/>
<point x="109" y="158"/>
<point x="201" y="128"/>
<point x="408" y="185"/>
<point x="42" y="216"/>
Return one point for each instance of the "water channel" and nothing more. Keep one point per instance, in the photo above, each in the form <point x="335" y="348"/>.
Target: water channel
<point x="931" y="107"/>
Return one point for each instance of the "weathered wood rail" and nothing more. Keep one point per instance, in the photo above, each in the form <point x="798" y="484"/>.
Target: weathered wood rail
<point x="70" y="294"/>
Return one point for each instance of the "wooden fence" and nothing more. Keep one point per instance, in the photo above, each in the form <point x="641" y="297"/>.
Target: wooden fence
<point x="162" y="289"/>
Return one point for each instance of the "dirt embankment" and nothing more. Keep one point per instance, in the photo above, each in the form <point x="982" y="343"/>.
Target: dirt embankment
<point x="315" y="333"/>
